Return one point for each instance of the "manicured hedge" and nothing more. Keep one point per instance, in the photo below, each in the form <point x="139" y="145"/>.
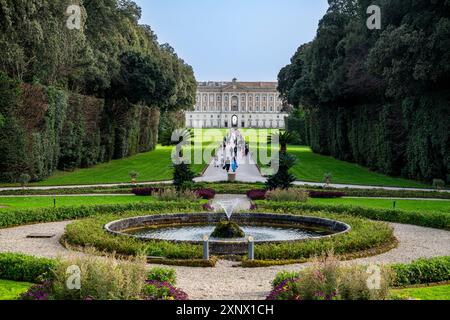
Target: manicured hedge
<point x="365" y="236"/>
<point x="326" y="194"/>
<point x="21" y="217"/>
<point x="426" y="219"/>
<point x="422" y="271"/>
<point x="19" y="267"/>
<point x="90" y="232"/>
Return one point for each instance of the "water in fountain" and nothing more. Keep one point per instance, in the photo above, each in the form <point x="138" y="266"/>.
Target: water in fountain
<point x="228" y="206"/>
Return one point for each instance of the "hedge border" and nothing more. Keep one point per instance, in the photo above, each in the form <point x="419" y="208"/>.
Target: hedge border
<point x="425" y="219"/>
<point x="367" y="235"/>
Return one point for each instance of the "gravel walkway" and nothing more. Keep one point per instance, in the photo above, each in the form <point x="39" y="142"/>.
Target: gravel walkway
<point x="227" y="281"/>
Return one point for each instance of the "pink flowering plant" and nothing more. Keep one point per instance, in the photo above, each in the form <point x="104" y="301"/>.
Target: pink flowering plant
<point x="326" y="279"/>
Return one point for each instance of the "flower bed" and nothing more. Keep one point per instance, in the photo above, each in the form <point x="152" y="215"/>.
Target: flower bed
<point x="206" y="194"/>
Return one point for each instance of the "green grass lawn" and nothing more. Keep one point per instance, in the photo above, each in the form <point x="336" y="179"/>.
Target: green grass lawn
<point x="424" y="293"/>
<point x="152" y="166"/>
<point x="11" y="290"/>
<point x="312" y="167"/>
<point x="64" y="201"/>
<point x="406" y="205"/>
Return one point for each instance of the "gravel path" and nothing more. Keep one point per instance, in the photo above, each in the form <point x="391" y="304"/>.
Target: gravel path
<point x="226" y="281"/>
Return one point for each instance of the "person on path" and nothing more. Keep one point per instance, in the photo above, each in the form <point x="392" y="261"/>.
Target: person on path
<point x="234" y="165"/>
<point x="227" y="165"/>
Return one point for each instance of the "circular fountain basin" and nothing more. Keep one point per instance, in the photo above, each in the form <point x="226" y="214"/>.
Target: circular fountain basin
<point x="191" y="228"/>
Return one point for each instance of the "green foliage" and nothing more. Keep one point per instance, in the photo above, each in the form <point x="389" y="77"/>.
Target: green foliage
<point x="438" y="184"/>
<point x="227" y="230"/>
<point x="182" y="174"/>
<point x="289" y="195"/>
<point x="90" y="232"/>
<point x="282" y="179"/>
<point x="377" y="98"/>
<point x="437" y="220"/>
<point x="326" y="279"/>
<point x="21" y="217"/>
<point x="19" y="267"/>
<point x="75" y="98"/>
<point x="162" y="275"/>
<point x="102" y="278"/>
<point x="422" y="271"/>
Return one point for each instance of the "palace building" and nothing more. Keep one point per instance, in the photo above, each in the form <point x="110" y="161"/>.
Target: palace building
<point x="237" y="104"/>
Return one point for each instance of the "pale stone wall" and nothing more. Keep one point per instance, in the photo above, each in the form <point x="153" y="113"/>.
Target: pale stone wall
<point x="240" y="104"/>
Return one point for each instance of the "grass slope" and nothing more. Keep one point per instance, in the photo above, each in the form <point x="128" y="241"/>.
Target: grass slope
<point x="312" y="167"/>
<point x="11" y="290"/>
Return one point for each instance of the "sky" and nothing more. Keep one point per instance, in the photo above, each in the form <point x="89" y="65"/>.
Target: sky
<point x="250" y="40"/>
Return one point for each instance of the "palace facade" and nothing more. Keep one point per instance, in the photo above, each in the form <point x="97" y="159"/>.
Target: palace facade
<point x="237" y="104"/>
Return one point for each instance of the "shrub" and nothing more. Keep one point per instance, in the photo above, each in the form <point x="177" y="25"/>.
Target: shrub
<point x="282" y="179"/>
<point x="171" y="194"/>
<point x="257" y="194"/>
<point x="157" y="290"/>
<point x="438" y="184"/>
<point x="90" y="232"/>
<point x="422" y="271"/>
<point x="24" y="179"/>
<point x="19" y="267"/>
<point x="182" y="174"/>
<point x="162" y="275"/>
<point x="145" y="191"/>
<point x="327" y="178"/>
<point x="294" y="195"/>
<point x="227" y="230"/>
<point x="134" y="174"/>
<point x="437" y="220"/>
<point x="326" y="194"/>
<point x="207" y="194"/>
<point x="102" y="278"/>
<point x="20" y="217"/>
<point x="326" y="279"/>
<point x="283" y="276"/>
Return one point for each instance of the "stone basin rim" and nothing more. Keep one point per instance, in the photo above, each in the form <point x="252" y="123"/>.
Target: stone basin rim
<point x="118" y="227"/>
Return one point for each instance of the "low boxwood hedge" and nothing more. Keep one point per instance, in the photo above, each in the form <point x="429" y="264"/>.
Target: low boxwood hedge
<point x="425" y="219"/>
<point x="21" y="217"/>
<point x="91" y="233"/>
<point x="422" y="271"/>
<point x="365" y="235"/>
<point x="23" y="268"/>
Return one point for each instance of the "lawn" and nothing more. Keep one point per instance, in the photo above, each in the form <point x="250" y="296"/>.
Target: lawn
<point x="11" y="290"/>
<point x="65" y="201"/>
<point x="152" y="166"/>
<point x="311" y="167"/>
<point x="405" y="205"/>
<point x="424" y="293"/>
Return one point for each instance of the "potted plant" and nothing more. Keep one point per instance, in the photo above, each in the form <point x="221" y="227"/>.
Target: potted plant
<point x="327" y="179"/>
<point x="134" y="175"/>
<point x="24" y="179"/>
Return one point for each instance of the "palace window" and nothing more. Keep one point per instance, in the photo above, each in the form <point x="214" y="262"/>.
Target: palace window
<point x="257" y="99"/>
<point x="211" y="98"/>
<point x="205" y="98"/>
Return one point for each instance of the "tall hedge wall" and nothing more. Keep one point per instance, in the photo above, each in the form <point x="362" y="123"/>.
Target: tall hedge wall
<point x="379" y="98"/>
<point x="45" y="129"/>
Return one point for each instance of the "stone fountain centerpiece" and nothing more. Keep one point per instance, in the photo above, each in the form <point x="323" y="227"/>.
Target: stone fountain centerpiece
<point x="228" y="229"/>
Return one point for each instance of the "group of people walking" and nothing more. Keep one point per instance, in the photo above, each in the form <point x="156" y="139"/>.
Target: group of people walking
<point x="228" y="154"/>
